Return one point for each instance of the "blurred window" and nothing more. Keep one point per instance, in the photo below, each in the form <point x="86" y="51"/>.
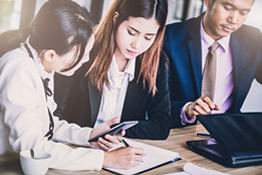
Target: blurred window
<point x="10" y="14"/>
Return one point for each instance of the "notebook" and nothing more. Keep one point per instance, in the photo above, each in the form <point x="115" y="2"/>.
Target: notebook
<point x="236" y="142"/>
<point x="153" y="157"/>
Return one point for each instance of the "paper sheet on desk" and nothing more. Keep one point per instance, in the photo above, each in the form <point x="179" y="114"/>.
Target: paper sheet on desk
<point x="192" y="169"/>
<point x="153" y="157"/>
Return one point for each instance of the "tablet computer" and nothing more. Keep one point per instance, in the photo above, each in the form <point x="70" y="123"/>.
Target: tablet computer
<point x="115" y="129"/>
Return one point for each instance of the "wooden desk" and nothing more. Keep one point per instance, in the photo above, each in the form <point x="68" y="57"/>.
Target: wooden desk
<point x="9" y="164"/>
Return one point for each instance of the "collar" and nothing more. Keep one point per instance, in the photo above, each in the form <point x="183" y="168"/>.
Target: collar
<point x="224" y="42"/>
<point x="129" y="70"/>
<point x="36" y="59"/>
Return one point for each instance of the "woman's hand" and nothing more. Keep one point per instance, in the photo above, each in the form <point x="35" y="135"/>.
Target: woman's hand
<point x="109" y="141"/>
<point x="123" y="158"/>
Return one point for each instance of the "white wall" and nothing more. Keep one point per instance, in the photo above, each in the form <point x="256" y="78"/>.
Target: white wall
<point x="86" y="3"/>
<point x="253" y="102"/>
<point x="39" y="4"/>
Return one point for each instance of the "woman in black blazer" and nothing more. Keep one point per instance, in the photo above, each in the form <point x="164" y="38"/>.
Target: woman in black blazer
<point x="128" y="44"/>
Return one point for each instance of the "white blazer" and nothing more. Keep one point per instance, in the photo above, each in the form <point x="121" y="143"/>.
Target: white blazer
<point x="24" y="118"/>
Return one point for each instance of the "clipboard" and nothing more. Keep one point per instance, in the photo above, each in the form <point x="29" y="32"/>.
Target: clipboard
<point x="154" y="157"/>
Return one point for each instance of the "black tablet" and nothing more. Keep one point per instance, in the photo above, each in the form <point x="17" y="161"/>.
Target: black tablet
<point x="117" y="128"/>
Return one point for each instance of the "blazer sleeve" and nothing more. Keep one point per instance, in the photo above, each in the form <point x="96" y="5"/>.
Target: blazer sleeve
<point x="158" y="115"/>
<point x="174" y="46"/>
<point x="176" y="105"/>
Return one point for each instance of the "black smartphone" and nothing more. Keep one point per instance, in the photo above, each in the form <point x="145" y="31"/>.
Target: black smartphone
<point x="115" y="129"/>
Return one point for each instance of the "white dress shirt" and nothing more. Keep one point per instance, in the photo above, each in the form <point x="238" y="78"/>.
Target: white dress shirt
<point x="24" y="118"/>
<point x="113" y="97"/>
<point x="224" y="73"/>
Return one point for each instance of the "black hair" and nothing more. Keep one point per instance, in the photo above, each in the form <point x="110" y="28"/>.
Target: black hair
<point x="143" y="8"/>
<point x="59" y="25"/>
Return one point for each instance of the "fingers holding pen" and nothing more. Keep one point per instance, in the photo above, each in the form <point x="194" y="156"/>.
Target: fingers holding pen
<point x="135" y="155"/>
<point x="124" y="158"/>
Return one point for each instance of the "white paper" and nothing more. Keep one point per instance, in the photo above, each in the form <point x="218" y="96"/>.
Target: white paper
<point x="192" y="169"/>
<point x="197" y="170"/>
<point x="153" y="156"/>
<point x="178" y="173"/>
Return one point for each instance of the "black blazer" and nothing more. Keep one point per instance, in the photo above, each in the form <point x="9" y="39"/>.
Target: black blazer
<point x="78" y="102"/>
<point x="182" y="45"/>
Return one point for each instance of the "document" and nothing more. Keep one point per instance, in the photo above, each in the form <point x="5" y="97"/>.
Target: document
<point x="153" y="157"/>
<point x="192" y="169"/>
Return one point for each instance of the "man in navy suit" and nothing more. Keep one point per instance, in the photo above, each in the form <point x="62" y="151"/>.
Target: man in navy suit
<point x="238" y="62"/>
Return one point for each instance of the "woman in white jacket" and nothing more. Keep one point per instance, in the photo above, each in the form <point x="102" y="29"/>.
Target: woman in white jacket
<point x="59" y="39"/>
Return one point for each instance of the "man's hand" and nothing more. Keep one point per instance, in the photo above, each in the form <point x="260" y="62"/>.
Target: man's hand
<point x="202" y="105"/>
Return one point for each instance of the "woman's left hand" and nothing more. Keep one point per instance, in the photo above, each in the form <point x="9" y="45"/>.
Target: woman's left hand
<point x="109" y="141"/>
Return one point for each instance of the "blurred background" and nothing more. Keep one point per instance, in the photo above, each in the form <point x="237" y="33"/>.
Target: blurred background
<point x="15" y="14"/>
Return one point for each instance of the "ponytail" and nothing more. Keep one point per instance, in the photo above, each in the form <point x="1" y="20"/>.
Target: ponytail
<point x="11" y="39"/>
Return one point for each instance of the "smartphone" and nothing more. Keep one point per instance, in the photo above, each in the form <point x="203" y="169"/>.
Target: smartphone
<point x="115" y="129"/>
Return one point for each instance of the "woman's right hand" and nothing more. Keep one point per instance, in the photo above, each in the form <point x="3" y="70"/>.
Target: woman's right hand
<point x="123" y="158"/>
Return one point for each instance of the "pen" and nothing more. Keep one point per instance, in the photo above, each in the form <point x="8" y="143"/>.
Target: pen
<point x="125" y="143"/>
<point x="203" y="135"/>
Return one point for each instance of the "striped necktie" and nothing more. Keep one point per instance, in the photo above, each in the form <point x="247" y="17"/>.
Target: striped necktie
<point x="209" y="73"/>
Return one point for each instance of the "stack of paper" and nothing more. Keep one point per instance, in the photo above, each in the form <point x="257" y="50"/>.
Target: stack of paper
<point x="192" y="169"/>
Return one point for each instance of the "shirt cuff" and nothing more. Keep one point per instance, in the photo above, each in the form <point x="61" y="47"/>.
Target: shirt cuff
<point x="184" y="119"/>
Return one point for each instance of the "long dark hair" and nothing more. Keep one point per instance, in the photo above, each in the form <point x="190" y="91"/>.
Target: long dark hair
<point x="59" y="25"/>
<point x="105" y="43"/>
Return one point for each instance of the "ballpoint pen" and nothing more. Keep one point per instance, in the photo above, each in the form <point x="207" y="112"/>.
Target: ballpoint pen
<point x="125" y="143"/>
<point x="203" y="135"/>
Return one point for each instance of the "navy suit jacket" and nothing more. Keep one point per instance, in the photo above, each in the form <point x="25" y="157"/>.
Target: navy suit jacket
<point x="78" y="102"/>
<point x="182" y="44"/>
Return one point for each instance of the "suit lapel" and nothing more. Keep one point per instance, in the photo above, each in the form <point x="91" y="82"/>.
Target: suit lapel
<point x="94" y="101"/>
<point x="134" y="95"/>
<point x="195" y="52"/>
<point x="238" y="56"/>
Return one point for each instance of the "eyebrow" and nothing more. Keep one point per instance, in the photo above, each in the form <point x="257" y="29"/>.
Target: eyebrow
<point x="228" y="3"/>
<point x="151" y="34"/>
